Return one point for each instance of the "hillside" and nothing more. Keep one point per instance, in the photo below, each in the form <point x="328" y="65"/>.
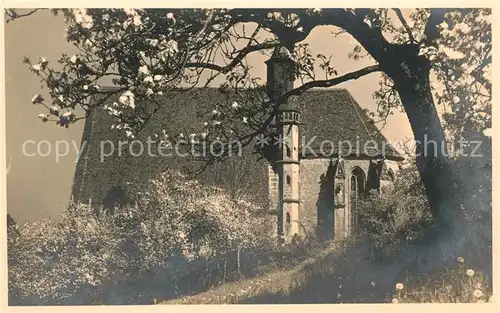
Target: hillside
<point x="330" y="278"/>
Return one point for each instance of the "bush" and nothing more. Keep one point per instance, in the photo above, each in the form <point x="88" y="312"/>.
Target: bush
<point x="77" y="259"/>
<point x="399" y="214"/>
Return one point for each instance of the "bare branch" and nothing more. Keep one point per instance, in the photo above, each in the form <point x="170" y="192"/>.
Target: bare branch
<point x="12" y="14"/>
<point x="331" y="82"/>
<point x="234" y="62"/>
<point x="405" y="24"/>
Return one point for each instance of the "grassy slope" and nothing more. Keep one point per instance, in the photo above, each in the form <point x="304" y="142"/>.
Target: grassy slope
<point x="327" y="277"/>
<point x="346" y="274"/>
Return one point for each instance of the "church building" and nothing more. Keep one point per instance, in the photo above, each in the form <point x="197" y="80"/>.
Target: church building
<point x="330" y="154"/>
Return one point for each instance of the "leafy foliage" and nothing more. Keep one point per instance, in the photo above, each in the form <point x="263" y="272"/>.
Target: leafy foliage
<point x="400" y="214"/>
<point x="91" y="247"/>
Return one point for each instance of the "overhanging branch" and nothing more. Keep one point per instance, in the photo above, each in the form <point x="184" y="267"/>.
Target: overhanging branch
<point x="235" y="61"/>
<point x="331" y="82"/>
<point x="405" y="25"/>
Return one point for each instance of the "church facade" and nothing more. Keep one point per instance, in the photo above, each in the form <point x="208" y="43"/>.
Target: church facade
<point x="330" y="154"/>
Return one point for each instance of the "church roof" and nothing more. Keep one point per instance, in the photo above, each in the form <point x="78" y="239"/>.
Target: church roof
<point x="326" y="114"/>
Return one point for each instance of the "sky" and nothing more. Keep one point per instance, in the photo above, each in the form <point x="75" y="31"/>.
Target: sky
<point x="41" y="185"/>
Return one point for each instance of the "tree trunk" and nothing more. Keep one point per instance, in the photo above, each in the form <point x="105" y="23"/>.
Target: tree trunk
<point x="450" y="187"/>
<point x="437" y="172"/>
<point x="225" y="270"/>
<point x="238" y="263"/>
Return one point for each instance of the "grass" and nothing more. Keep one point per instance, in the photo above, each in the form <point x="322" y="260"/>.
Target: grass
<point x="457" y="285"/>
<point x="329" y="278"/>
<point x="282" y="281"/>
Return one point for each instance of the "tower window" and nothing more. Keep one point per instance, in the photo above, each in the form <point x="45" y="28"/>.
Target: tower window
<point x="288" y="221"/>
<point x="288" y="151"/>
<point x="288" y="180"/>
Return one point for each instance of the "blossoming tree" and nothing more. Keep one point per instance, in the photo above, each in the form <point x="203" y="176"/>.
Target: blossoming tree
<point x="430" y="59"/>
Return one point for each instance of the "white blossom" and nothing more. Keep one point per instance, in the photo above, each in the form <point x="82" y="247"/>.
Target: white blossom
<point x="245" y="119"/>
<point x="144" y="70"/>
<point x="36" y="67"/>
<point x="171" y="46"/>
<point x="153" y="42"/>
<point x="73" y="59"/>
<point x="148" y="80"/>
<point x="127" y="99"/>
<point x="443" y="25"/>
<point x="487" y="132"/>
<point x="54" y="110"/>
<point x="129" y="134"/>
<point x="37" y="99"/>
<point x="43" y="62"/>
<point x="82" y="18"/>
<point x="44" y="117"/>
<point x="137" y="20"/>
<point x="157" y="77"/>
<point x="235" y="105"/>
<point x="170" y="15"/>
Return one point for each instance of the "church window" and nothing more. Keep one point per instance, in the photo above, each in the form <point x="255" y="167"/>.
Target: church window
<point x="288" y="221"/>
<point x="357" y="182"/>
<point x="288" y="151"/>
<point x="288" y="180"/>
<point x="390" y="172"/>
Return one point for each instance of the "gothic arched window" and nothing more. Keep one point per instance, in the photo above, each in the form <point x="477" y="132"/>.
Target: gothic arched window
<point x="357" y="188"/>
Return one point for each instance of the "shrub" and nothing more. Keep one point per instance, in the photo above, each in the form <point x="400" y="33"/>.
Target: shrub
<point x="75" y="260"/>
<point x="399" y="214"/>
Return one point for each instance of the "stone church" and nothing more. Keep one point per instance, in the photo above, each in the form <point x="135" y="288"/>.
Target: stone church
<point x="311" y="183"/>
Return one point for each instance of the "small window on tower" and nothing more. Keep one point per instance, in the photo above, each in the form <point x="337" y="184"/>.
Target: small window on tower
<point x="288" y="152"/>
<point x="288" y="218"/>
<point x="288" y="180"/>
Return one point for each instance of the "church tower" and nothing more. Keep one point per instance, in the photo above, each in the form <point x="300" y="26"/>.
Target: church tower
<point x="287" y="164"/>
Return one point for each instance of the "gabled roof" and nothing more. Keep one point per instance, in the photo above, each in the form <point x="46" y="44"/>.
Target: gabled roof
<point x="328" y="114"/>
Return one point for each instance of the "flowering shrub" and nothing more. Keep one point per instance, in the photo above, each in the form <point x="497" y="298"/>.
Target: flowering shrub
<point x="90" y="248"/>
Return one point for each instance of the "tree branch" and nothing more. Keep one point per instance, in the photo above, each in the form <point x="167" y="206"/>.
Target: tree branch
<point x="12" y="14"/>
<point x="235" y="61"/>
<point x="331" y="82"/>
<point x="431" y="32"/>
<point x="405" y="25"/>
